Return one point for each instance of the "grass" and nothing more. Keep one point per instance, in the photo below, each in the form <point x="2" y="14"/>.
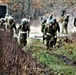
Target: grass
<point x="53" y="63"/>
<point x="69" y="50"/>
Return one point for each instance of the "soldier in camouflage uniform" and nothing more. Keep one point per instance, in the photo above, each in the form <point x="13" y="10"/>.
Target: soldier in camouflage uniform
<point x="12" y="26"/>
<point x="56" y="28"/>
<point x="45" y="23"/>
<point x="24" y="29"/>
<point x="49" y="35"/>
<point x="65" y="24"/>
<point x="62" y="16"/>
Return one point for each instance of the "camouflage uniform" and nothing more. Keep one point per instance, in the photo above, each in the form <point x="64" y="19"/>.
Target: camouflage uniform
<point x="49" y="35"/>
<point x="12" y="26"/>
<point x="56" y="28"/>
<point x="45" y="23"/>
<point x="24" y="27"/>
<point x="62" y="16"/>
<point x="65" y="24"/>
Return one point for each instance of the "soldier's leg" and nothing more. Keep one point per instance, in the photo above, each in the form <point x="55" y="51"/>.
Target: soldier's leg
<point x="63" y="27"/>
<point x="43" y="39"/>
<point x="5" y="26"/>
<point x="55" y="40"/>
<point x="51" y="44"/>
<point x="25" y="38"/>
<point x="66" y="30"/>
<point x="47" y="42"/>
<point x="22" y="40"/>
<point x="51" y="41"/>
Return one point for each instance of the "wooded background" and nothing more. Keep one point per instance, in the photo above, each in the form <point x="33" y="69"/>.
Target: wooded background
<point x="35" y="8"/>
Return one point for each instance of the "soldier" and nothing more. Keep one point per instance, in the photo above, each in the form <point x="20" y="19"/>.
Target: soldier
<point x="12" y="26"/>
<point x="45" y="24"/>
<point x="23" y="29"/>
<point x="56" y="28"/>
<point x="62" y="16"/>
<point x="63" y="12"/>
<point x="75" y="22"/>
<point x="49" y="35"/>
<point x="65" y="24"/>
